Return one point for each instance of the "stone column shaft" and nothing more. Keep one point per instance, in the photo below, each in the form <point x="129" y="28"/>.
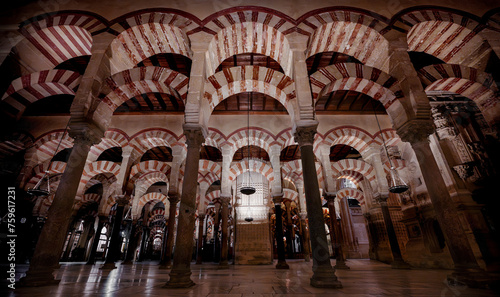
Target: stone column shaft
<point x="277" y="198"/>
<point x="323" y="272"/>
<point x="133" y="241"/>
<point x="201" y="221"/>
<point x="337" y="238"/>
<point x="224" y="242"/>
<point x="116" y="239"/>
<point x="95" y="242"/>
<point x="166" y="257"/>
<point x="50" y="244"/>
<point x="181" y="270"/>
<point x="305" y="236"/>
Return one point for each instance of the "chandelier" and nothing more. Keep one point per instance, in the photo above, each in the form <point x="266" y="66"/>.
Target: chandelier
<point x="248" y="189"/>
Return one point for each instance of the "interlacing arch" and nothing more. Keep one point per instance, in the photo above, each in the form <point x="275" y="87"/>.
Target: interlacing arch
<point x="353" y="193"/>
<point x="243" y="30"/>
<point x="168" y="29"/>
<point x="469" y="82"/>
<point x="57" y="37"/>
<point x="449" y="35"/>
<point x="258" y="166"/>
<point x="240" y="79"/>
<point x="36" y="86"/>
<point x="112" y="138"/>
<point x="328" y="30"/>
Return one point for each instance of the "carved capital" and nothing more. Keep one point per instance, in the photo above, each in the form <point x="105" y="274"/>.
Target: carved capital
<point x="381" y="197"/>
<point x="416" y="131"/>
<point x="277" y="198"/>
<point x="463" y="170"/>
<point x="194" y="135"/>
<point x="304" y="134"/>
<point x="84" y="133"/>
<point x="201" y="216"/>
<point x="122" y="200"/>
<point x="225" y="200"/>
<point x="329" y="196"/>
<point x="173" y="198"/>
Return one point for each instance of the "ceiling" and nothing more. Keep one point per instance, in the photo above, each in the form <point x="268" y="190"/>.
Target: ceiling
<point x="211" y="153"/>
<point x="324" y="59"/>
<point x="254" y="152"/>
<point x="348" y="102"/>
<point x="158" y="153"/>
<point x="151" y="102"/>
<point x="175" y="62"/>
<point x="250" y="59"/>
<point x="342" y="151"/>
<point x="258" y="102"/>
<point x="113" y="154"/>
<point x="290" y="153"/>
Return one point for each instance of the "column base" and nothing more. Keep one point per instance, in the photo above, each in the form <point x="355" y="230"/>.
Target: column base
<point x="282" y="265"/>
<point x="400" y="264"/>
<point x="341" y="265"/>
<point x="324" y="277"/>
<point x="179" y="279"/>
<point x="473" y="278"/>
<point x="38" y="278"/>
<point x="109" y="266"/>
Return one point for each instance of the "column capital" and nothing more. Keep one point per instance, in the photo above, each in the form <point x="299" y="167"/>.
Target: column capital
<point x="277" y="198"/>
<point x="304" y="132"/>
<point x="122" y="200"/>
<point x="84" y="133"/>
<point x="225" y="200"/>
<point x="201" y="216"/>
<point x="330" y="196"/>
<point x="381" y="197"/>
<point x="173" y="198"/>
<point x="194" y="135"/>
<point x="415" y="131"/>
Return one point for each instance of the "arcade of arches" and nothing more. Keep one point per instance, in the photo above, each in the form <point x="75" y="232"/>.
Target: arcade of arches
<point x="146" y="124"/>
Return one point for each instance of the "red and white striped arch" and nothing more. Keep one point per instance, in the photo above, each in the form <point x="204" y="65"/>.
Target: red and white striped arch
<point x="291" y="195"/>
<point x="100" y="179"/>
<point x="396" y="163"/>
<point x="447" y="35"/>
<point x="57" y="37"/>
<point x="290" y="167"/>
<point x="254" y="135"/>
<point x="112" y="138"/>
<point x="36" y="86"/>
<point x="352" y="33"/>
<point x="215" y="138"/>
<point x="98" y="167"/>
<point x="207" y="178"/>
<point x="154" y="137"/>
<point x="390" y="137"/>
<point x="209" y="166"/>
<point x="349" y="135"/>
<point x="130" y="83"/>
<point x="148" y="179"/>
<point x="46" y="145"/>
<point x="353" y="193"/>
<point x="147" y="34"/>
<point x="285" y="138"/>
<point x="210" y="197"/>
<point x="251" y="78"/>
<point x="87" y="199"/>
<point x="355" y="77"/>
<point x="153" y="196"/>
<point x="249" y="31"/>
<point x="139" y="170"/>
<point x="351" y="175"/>
<point x="356" y="165"/>
<point x="56" y="167"/>
<point x="258" y="166"/>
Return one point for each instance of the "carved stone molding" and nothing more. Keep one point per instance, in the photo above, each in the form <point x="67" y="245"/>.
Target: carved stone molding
<point x="416" y="131"/>
<point x="304" y="135"/>
<point x="463" y="170"/>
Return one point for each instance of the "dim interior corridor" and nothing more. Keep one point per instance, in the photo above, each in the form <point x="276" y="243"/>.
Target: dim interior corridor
<point x="365" y="278"/>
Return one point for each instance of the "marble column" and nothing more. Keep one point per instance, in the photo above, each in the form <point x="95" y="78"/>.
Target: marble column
<point x="144" y="243"/>
<point x="95" y="242"/>
<point x="224" y="240"/>
<point x="71" y="239"/>
<point x="277" y="199"/>
<point x="181" y="270"/>
<point x="201" y="221"/>
<point x="166" y="257"/>
<point x="50" y="244"/>
<point x="467" y="271"/>
<point x="345" y="214"/>
<point x="323" y="272"/>
<point x="398" y="262"/>
<point x="113" y="254"/>
<point x="339" y="253"/>
<point x="132" y="244"/>
<point x="218" y="209"/>
<point x="305" y="237"/>
<point x="289" y="227"/>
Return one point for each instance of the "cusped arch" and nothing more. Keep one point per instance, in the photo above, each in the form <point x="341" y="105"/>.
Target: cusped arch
<point x="32" y="87"/>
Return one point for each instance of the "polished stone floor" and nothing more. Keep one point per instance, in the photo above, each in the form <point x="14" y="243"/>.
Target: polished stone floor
<point x="365" y="278"/>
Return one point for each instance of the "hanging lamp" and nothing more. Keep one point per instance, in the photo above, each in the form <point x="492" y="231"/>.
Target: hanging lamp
<point x="396" y="183"/>
<point x="248" y="189"/>
<point x="38" y="190"/>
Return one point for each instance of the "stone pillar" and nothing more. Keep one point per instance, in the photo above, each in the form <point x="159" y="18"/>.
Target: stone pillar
<point x="132" y="244"/>
<point x="224" y="241"/>
<point x="289" y="227"/>
<point x="144" y="243"/>
<point x="50" y="244"/>
<point x="337" y="244"/>
<point x="201" y="221"/>
<point x="467" y="270"/>
<point x="166" y="257"/>
<point x="181" y="270"/>
<point x="348" y="230"/>
<point x="72" y="230"/>
<point x="323" y="272"/>
<point x="398" y="262"/>
<point x="305" y="237"/>
<point x="95" y="242"/>
<point x="216" y="229"/>
<point x="277" y="199"/>
<point x="116" y="239"/>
